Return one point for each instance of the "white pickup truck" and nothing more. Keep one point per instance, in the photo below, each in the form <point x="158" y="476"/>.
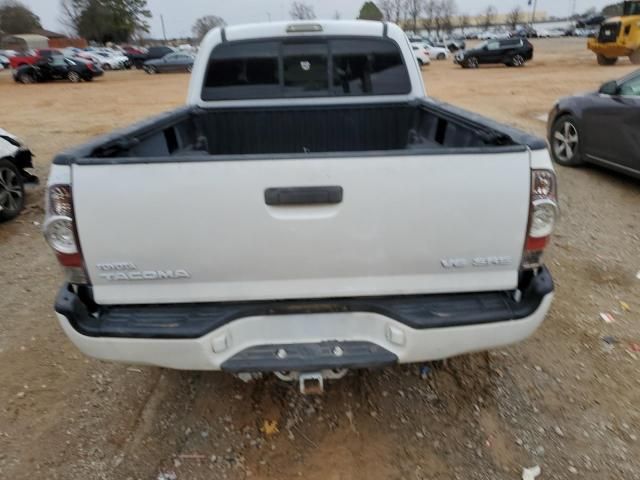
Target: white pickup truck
<point x="309" y="211"/>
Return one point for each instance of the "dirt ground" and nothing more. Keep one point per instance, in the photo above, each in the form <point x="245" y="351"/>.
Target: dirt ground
<point x="565" y="400"/>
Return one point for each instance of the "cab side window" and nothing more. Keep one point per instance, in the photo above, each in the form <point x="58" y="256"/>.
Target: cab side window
<point x="631" y="87"/>
<point x="493" y="46"/>
<point x="512" y="43"/>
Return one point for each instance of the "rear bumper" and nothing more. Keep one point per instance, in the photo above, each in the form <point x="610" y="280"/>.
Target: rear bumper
<point x="316" y="335"/>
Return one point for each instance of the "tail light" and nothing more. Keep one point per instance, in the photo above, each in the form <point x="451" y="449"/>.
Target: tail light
<point x="543" y="214"/>
<point x="61" y="233"/>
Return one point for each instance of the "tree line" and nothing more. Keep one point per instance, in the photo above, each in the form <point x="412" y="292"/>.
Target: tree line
<point x="436" y="15"/>
<point x="431" y="15"/>
<point x="106" y="20"/>
<point x="123" y="20"/>
<point x="442" y="15"/>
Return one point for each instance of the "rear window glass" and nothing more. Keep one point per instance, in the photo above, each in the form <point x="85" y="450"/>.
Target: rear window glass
<point x="305" y="69"/>
<point x="243" y="70"/>
<point x="282" y="68"/>
<point x="368" y="67"/>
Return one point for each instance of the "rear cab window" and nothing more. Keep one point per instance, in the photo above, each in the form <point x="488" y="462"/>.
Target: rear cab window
<point x="305" y="68"/>
<point x="515" y="42"/>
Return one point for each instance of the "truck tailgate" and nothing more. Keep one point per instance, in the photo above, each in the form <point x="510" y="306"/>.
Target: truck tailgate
<point x="207" y="231"/>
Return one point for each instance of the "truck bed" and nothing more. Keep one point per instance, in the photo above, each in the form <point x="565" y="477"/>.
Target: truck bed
<point x="419" y="127"/>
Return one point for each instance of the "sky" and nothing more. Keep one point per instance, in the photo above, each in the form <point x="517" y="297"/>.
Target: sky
<point x="179" y="15"/>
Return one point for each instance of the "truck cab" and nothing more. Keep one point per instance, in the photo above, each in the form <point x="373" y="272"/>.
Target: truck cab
<point x="619" y="36"/>
<point x="32" y="57"/>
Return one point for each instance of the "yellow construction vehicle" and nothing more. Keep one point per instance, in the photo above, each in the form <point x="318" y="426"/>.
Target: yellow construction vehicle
<point x="619" y="36"/>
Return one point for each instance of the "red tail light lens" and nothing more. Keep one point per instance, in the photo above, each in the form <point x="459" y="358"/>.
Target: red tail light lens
<point x="543" y="214"/>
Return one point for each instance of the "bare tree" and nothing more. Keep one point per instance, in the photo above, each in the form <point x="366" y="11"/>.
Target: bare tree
<point x="446" y="11"/>
<point x="386" y="8"/>
<point x="302" y="11"/>
<point x="431" y="8"/>
<point x="397" y="11"/>
<point x="464" y="21"/>
<point x="438" y="20"/>
<point x="514" y="17"/>
<point x="204" y="24"/>
<point x="489" y="16"/>
<point x="70" y="16"/>
<point x="413" y="9"/>
<point x="391" y="9"/>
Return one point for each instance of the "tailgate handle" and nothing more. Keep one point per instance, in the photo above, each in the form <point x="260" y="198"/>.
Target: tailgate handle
<point x="303" y="195"/>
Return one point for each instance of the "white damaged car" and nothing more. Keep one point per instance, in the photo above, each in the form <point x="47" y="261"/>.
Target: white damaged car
<point x="15" y="158"/>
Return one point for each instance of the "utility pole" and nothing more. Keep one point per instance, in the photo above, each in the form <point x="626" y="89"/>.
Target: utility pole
<point x="164" y="32"/>
<point x="533" y="12"/>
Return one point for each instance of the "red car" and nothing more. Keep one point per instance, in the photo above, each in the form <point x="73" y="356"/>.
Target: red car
<point x="31" y="57"/>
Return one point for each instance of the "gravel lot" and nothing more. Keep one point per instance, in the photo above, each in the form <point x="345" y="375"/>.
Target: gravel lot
<point x="566" y="399"/>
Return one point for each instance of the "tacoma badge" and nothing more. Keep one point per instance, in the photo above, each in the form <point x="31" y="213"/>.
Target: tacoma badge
<point x="128" y="271"/>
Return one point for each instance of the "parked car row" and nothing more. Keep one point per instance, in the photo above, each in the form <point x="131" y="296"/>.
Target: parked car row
<point x="79" y="65"/>
<point x="106" y="58"/>
<point x="525" y="31"/>
<point x="443" y="44"/>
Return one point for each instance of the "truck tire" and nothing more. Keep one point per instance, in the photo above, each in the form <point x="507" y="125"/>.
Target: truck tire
<point x="517" y="61"/>
<point x="471" y="62"/>
<point x="74" y="77"/>
<point x="441" y="56"/>
<point x="11" y="190"/>
<point x="26" y="78"/>
<point x="565" y="142"/>
<point x="635" y="57"/>
<point x="602" y="60"/>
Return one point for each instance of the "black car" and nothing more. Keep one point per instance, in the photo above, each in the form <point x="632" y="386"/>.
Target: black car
<point x="513" y="52"/>
<point x="152" y="53"/>
<point x="57" y="67"/>
<point x="602" y="127"/>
